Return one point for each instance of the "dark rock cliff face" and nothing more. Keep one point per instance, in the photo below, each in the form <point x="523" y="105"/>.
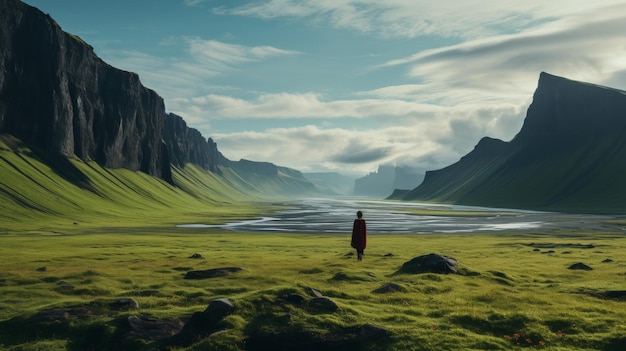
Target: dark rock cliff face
<point x="187" y="145"/>
<point x="57" y="96"/>
<point x="569" y="155"/>
<point x="566" y="112"/>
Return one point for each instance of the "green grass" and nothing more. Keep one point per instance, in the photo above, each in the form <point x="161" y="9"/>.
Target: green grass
<point x="514" y="290"/>
<point x="114" y="236"/>
<point x="37" y="198"/>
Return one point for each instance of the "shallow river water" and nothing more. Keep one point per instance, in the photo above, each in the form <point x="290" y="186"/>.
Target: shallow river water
<point x="322" y="215"/>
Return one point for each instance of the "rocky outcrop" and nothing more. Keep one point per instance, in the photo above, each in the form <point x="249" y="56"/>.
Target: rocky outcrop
<point x="58" y="97"/>
<point x="187" y="145"/>
<point x="569" y="155"/>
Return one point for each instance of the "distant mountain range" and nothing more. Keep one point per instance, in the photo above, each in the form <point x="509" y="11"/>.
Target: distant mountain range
<point x="569" y="155"/>
<point x="332" y="183"/>
<point x="386" y="180"/>
<point x="60" y="100"/>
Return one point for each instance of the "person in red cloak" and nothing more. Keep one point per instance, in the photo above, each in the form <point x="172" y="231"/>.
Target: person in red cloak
<point x="359" y="235"/>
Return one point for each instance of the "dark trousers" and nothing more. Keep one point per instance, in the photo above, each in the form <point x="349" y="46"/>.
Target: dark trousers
<point x="359" y="254"/>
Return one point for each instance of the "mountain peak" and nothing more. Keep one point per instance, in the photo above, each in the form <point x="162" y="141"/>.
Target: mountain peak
<point x="569" y="155"/>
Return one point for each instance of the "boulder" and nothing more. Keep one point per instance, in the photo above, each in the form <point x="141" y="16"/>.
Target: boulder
<point x="220" y="308"/>
<point x="151" y="328"/>
<point x="294" y="299"/>
<point x="431" y="263"/>
<point x="204" y="323"/>
<point x="580" y="266"/>
<point x="389" y="288"/>
<point x="323" y="305"/>
<point x="212" y="273"/>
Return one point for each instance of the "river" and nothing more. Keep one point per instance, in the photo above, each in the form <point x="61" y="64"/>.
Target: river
<point x="335" y="215"/>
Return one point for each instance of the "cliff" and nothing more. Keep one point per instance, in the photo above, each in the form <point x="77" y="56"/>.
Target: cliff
<point x="187" y="145"/>
<point x="58" y="96"/>
<point x="569" y="155"/>
<point x="60" y="100"/>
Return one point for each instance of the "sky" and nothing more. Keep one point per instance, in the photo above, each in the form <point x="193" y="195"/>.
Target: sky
<point x="348" y="85"/>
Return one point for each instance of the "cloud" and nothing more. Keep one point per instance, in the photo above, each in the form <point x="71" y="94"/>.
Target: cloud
<point x="362" y="153"/>
<point x="193" y="3"/>
<point x="583" y="47"/>
<point x="426" y="141"/>
<point x="186" y="75"/>
<point x="310" y="148"/>
<point x="224" y="56"/>
<point x="401" y="18"/>
<point x="296" y="105"/>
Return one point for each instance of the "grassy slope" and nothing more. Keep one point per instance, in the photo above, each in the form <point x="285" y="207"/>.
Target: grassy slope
<point x="118" y="240"/>
<point x="583" y="179"/>
<point x="35" y="197"/>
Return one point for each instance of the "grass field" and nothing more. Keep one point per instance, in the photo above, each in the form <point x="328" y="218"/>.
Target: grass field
<point x="518" y="293"/>
<point x="75" y="238"/>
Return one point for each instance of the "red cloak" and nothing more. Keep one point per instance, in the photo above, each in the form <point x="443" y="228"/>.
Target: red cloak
<point x="359" y="234"/>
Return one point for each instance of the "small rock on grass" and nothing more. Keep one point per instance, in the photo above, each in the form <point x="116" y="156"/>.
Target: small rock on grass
<point x="580" y="266"/>
<point x="389" y="288"/>
<point x="212" y="273"/>
<point x="220" y="308"/>
<point x="323" y="304"/>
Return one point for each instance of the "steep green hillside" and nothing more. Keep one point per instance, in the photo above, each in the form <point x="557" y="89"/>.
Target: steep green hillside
<point x="45" y="194"/>
<point x="570" y="156"/>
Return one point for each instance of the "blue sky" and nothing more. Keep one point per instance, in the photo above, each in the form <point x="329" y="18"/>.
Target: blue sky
<point x="347" y="85"/>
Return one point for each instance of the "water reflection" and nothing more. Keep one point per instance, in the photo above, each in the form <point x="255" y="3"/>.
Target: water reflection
<point x="320" y="215"/>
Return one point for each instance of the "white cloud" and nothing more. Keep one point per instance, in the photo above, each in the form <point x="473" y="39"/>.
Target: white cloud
<point x="186" y="75"/>
<point x="427" y="141"/>
<point x="401" y="18"/>
<point x="504" y="69"/>
<point x="305" y="105"/>
<point x="223" y="56"/>
<point x="308" y="147"/>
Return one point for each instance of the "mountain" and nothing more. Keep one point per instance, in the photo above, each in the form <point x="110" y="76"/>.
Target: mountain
<point x="332" y="183"/>
<point x="569" y="155"/>
<point x="61" y="101"/>
<point x="386" y="179"/>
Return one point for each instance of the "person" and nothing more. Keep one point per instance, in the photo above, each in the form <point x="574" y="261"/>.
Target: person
<point x="359" y="235"/>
